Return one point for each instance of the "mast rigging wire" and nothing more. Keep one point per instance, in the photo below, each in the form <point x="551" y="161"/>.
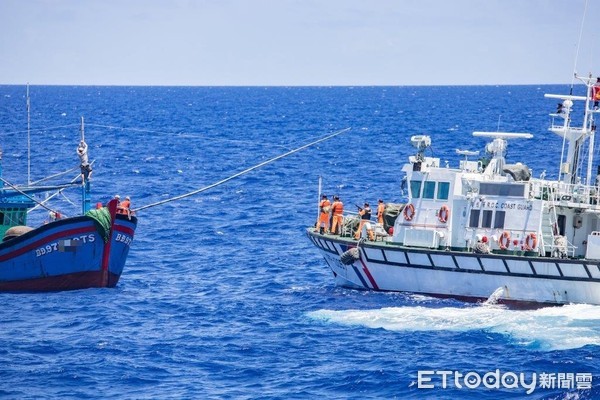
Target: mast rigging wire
<point x="178" y="131"/>
<point x="28" y="137"/>
<point x="41" y="129"/>
<point x="243" y="172"/>
<point x="60" y="191"/>
<point x="55" y="176"/>
<point x="25" y="194"/>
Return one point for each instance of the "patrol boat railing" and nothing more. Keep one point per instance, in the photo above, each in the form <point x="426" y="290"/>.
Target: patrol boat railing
<point x="561" y="192"/>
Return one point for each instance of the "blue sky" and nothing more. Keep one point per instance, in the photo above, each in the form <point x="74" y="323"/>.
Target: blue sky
<point x="297" y="42"/>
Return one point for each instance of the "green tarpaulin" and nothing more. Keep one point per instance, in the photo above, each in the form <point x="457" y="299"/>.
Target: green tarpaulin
<point x="101" y="217"/>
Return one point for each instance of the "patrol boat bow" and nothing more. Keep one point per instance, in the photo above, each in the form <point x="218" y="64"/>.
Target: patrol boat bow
<point x="485" y="227"/>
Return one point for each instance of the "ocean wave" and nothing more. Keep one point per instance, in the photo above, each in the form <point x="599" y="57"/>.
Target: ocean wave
<point x="551" y="328"/>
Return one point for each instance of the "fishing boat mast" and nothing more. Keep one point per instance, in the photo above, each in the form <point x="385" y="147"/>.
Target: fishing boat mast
<point x="86" y="170"/>
<point x="28" y="137"/>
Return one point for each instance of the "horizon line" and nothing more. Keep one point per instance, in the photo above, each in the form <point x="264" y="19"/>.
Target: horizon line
<point x="283" y="86"/>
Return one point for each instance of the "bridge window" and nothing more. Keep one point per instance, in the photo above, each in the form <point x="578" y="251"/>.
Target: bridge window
<point x="428" y="190"/>
<point x="499" y="219"/>
<point x="415" y="189"/>
<point x="502" y="189"/>
<point x="474" y="219"/>
<point x="443" y="190"/>
<point x="486" y="221"/>
<point x="13" y="216"/>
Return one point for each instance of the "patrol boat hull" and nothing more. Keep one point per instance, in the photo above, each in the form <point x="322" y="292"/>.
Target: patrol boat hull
<point x="463" y="275"/>
<point x="66" y="255"/>
<point x="486" y="228"/>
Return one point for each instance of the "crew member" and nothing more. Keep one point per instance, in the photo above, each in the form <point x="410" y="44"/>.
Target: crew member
<point x="482" y="246"/>
<point x="596" y="93"/>
<point x="124" y="206"/>
<point x="324" y="208"/>
<point x="380" y="210"/>
<point x="118" y="199"/>
<point x="365" y="216"/>
<point x="54" y="216"/>
<point x="86" y="168"/>
<point x="337" y="210"/>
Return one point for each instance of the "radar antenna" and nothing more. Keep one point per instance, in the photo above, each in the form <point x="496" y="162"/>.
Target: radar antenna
<point x="421" y="143"/>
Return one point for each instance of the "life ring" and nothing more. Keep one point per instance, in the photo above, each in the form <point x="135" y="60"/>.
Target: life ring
<point x="504" y="240"/>
<point x="444" y="214"/>
<point x="531" y="241"/>
<point x="409" y="212"/>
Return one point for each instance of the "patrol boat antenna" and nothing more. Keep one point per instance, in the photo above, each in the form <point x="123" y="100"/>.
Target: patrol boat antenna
<point x="421" y="143"/>
<point x="574" y="137"/>
<point x="497" y="148"/>
<point x="466" y="153"/>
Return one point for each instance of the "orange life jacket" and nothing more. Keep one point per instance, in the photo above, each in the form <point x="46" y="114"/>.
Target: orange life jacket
<point x="337" y="208"/>
<point x="325" y="203"/>
<point x="123" y="207"/>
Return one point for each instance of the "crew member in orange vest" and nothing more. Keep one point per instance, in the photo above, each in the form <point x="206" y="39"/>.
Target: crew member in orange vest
<point x="337" y="210"/>
<point x="324" y="207"/>
<point x="365" y="216"/>
<point x="596" y="93"/>
<point x="123" y="207"/>
<point x="380" y="210"/>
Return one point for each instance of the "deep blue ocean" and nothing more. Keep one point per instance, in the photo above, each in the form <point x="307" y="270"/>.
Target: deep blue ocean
<point x="223" y="296"/>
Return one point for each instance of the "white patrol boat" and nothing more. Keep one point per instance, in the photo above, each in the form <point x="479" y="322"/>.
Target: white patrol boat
<point x="485" y="228"/>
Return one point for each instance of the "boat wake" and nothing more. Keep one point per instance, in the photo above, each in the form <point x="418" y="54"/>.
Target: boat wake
<point x="552" y="328"/>
<point x="495" y="297"/>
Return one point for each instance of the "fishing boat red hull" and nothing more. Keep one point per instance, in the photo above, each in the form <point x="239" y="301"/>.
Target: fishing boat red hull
<point x="78" y="280"/>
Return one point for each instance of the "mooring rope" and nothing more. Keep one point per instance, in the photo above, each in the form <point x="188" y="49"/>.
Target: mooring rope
<point x="243" y="172"/>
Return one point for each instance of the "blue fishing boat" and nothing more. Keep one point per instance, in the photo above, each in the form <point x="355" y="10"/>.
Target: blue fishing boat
<point x="79" y="252"/>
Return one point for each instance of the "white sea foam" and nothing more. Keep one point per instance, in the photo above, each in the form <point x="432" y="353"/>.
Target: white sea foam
<point x="552" y="328"/>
